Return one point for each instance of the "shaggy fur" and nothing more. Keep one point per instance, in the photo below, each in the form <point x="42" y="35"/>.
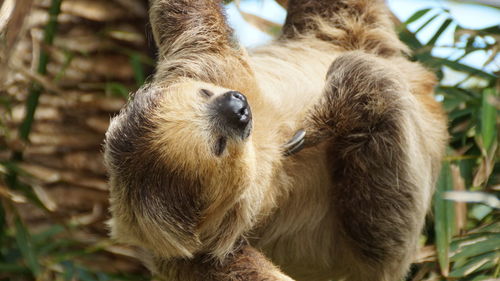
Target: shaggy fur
<point x="350" y="205"/>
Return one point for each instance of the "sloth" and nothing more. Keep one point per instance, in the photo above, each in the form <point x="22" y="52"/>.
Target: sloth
<point x="311" y="158"/>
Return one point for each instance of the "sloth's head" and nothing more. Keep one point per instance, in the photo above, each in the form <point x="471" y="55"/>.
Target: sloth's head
<point x="205" y="121"/>
<point x="178" y="155"/>
<point x="190" y="127"/>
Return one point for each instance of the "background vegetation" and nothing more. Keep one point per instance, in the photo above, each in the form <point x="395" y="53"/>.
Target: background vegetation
<point x="66" y="66"/>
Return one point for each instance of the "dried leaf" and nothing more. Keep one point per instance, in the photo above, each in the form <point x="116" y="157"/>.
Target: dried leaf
<point x="12" y="15"/>
<point x="99" y="124"/>
<point x="473" y="197"/>
<point x="42" y="113"/>
<point x="6" y="10"/>
<point x="12" y="195"/>
<point x="44" y="197"/>
<point x="89" y="218"/>
<point x="72" y="199"/>
<point x="460" y="207"/>
<point x="42" y="80"/>
<point x="94" y="10"/>
<point x="40" y="17"/>
<point x="43" y="173"/>
<point x="135" y="7"/>
<point x="485" y="168"/>
<point x="75" y="141"/>
<point x="262" y="24"/>
<point x="426" y="254"/>
<point x="127" y="33"/>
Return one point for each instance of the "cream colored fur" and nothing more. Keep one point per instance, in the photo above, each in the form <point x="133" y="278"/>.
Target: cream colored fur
<point x="281" y="205"/>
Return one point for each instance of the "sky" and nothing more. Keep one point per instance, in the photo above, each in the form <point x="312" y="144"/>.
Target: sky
<point x="471" y="16"/>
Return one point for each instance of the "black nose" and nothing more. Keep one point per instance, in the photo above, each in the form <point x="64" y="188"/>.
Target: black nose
<point x="234" y="108"/>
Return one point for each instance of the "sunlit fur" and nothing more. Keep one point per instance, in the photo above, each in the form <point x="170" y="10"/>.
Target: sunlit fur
<point x="351" y="205"/>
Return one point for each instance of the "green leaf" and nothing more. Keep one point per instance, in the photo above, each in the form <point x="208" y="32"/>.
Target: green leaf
<point x="460" y="113"/>
<point x="494" y="29"/>
<point x="461" y="67"/>
<point x="479" y="212"/>
<point x="51" y="27"/>
<point x="477" y="246"/>
<point x="135" y="62"/>
<point x="36" y="89"/>
<point x="53" y="247"/>
<point x="13" y="268"/>
<point x="31" y="104"/>
<point x="444" y="217"/>
<point x="409" y="39"/>
<point x="47" y="234"/>
<point x="426" y="23"/>
<point x="69" y="270"/>
<point x="439" y="32"/>
<point x="25" y="245"/>
<point x="3" y="223"/>
<point x="492" y="227"/>
<point x="476" y="264"/>
<point x="467" y="169"/>
<point x="483" y="278"/>
<point x="68" y="57"/>
<point x="465" y="95"/>
<point x="488" y="120"/>
<point x="6" y="103"/>
<point x="103" y="277"/>
<point x="487" y="31"/>
<point x="417" y="15"/>
<point x="117" y="89"/>
<point x="450" y="104"/>
<point x="85" y="275"/>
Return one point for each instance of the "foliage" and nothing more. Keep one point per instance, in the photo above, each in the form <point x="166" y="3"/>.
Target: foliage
<point x="466" y="237"/>
<point x="462" y="240"/>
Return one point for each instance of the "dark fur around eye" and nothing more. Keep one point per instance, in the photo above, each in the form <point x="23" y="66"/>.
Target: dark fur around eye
<point x="206" y="93"/>
<point x="220" y="146"/>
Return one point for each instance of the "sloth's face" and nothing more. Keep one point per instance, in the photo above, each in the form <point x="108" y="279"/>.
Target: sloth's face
<point x="181" y="145"/>
<point x="191" y="128"/>
<point x="208" y="120"/>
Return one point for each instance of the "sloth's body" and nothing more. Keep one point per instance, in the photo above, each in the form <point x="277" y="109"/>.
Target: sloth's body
<point x="195" y="187"/>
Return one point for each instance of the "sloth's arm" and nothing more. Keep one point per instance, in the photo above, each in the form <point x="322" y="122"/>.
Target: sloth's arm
<point x="384" y="152"/>
<point x="194" y="41"/>
<point x="189" y="26"/>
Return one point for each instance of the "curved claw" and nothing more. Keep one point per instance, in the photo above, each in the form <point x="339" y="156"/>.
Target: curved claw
<point x="295" y="144"/>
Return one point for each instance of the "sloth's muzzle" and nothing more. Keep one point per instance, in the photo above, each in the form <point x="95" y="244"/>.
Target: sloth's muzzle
<point x="233" y="113"/>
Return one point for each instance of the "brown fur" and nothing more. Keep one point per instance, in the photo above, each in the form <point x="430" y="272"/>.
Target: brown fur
<point x="349" y="25"/>
<point x="244" y="263"/>
<point x="350" y="205"/>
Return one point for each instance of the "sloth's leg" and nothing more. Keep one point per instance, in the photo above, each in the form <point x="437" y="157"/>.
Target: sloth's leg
<point x="348" y="24"/>
<point x="244" y="264"/>
<point x="194" y="41"/>
<point x="379" y="147"/>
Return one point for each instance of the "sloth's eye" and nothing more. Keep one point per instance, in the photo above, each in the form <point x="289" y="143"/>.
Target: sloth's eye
<point x="220" y="145"/>
<point x="206" y="93"/>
